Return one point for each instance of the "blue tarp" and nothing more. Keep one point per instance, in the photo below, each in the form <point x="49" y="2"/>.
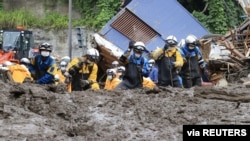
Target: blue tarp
<point x="167" y="17"/>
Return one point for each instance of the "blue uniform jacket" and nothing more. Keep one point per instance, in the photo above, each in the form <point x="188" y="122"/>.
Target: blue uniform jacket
<point x="44" y="69"/>
<point x="140" y="61"/>
<point x="185" y="51"/>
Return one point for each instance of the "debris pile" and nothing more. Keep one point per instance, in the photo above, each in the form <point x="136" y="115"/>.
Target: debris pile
<point x="227" y="55"/>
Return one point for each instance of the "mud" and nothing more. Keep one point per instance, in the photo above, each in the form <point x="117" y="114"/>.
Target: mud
<point x="34" y="112"/>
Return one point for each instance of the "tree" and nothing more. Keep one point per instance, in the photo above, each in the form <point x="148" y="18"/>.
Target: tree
<point x="96" y="13"/>
<point x="218" y="16"/>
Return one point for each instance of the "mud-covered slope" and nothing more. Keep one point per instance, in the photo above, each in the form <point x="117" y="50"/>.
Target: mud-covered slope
<point x="35" y="112"/>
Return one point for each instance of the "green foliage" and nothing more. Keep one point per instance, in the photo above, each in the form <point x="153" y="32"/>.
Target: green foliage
<point x="1" y="4"/>
<point x="216" y="19"/>
<point x="12" y="19"/>
<point x="219" y="17"/>
<point x="96" y="13"/>
<point x="49" y="3"/>
<point x="202" y="18"/>
<point x="55" y="21"/>
<point x="16" y="18"/>
<point x="233" y="13"/>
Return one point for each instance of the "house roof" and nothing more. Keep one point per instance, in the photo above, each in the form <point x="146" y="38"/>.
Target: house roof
<point x="166" y="17"/>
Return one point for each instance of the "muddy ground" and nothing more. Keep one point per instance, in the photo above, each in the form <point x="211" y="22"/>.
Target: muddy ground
<point x="34" y="112"/>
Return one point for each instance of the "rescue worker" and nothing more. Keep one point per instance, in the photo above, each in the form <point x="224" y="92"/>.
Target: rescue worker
<point x="112" y="80"/>
<point x="115" y="65"/>
<point x="148" y="83"/>
<point x="153" y="75"/>
<point x="65" y="59"/>
<point x="84" y="71"/>
<point x="62" y="78"/>
<point x="18" y="72"/>
<point x="120" y="72"/>
<point x="169" y="61"/>
<point x="25" y="62"/>
<point x="136" y="66"/>
<point x="42" y="66"/>
<point x="61" y="70"/>
<point x="193" y="62"/>
<point x="5" y="73"/>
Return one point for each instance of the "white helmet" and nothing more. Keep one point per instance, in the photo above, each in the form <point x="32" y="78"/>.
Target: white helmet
<point x="66" y="58"/>
<point x="111" y="72"/>
<point x="56" y="77"/>
<point x="121" y="69"/>
<point x="92" y="54"/>
<point x="139" y="46"/>
<point x="25" y="61"/>
<point x="139" y="43"/>
<point x="151" y="61"/>
<point x="181" y="43"/>
<point x="63" y="63"/>
<point x="115" y="63"/>
<point x="7" y="63"/>
<point x="45" y="46"/>
<point x="171" y="40"/>
<point x="191" y="39"/>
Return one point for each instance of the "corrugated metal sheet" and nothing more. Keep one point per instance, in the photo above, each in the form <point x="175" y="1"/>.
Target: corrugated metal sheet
<point x="139" y="31"/>
<point x="166" y="17"/>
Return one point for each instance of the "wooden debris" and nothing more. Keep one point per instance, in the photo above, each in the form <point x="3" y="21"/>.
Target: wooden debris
<point x="237" y="41"/>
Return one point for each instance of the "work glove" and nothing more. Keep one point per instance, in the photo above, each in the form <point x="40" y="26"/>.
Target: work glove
<point x="146" y="75"/>
<point x="205" y="74"/>
<point x="178" y="70"/>
<point x="67" y="80"/>
<point x="166" y="46"/>
<point x="123" y="59"/>
<point x="33" y="75"/>
<point x="28" y="80"/>
<point x="131" y="45"/>
<point x="205" y="71"/>
<point x="173" y="64"/>
<point x="150" y="69"/>
<point x="188" y="56"/>
<point x="56" y="78"/>
<point x="84" y="83"/>
<point x="75" y="68"/>
<point x="139" y="68"/>
<point x="79" y="65"/>
<point x="72" y="71"/>
<point x="202" y="66"/>
<point x="66" y="74"/>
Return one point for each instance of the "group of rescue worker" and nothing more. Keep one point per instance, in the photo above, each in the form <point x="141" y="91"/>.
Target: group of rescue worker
<point x="172" y="65"/>
<point x="180" y="65"/>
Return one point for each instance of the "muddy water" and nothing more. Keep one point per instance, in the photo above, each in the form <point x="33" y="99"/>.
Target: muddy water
<point x="38" y="113"/>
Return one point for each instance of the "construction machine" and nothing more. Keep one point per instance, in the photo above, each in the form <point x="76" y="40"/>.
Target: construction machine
<point x="15" y="44"/>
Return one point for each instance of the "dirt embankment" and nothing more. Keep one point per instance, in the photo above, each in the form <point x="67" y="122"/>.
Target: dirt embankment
<point x="35" y="112"/>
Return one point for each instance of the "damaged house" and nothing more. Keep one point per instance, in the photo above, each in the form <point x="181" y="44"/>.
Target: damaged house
<point x="151" y="22"/>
